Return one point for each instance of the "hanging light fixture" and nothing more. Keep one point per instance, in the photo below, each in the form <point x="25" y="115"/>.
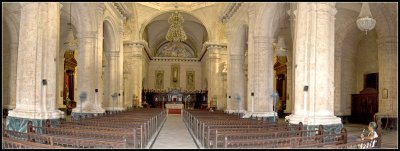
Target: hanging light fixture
<point x="175" y="31"/>
<point x="71" y="42"/>
<point x="365" y="22"/>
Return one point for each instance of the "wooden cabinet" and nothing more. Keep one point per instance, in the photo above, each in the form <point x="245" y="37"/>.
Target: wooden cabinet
<point x="364" y="106"/>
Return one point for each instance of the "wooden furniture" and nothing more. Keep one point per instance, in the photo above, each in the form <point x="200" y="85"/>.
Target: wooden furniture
<point x="364" y="106"/>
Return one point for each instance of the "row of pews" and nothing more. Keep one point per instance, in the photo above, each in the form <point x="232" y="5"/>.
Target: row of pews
<point x="127" y="129"/>
<point x="220" y="130"/>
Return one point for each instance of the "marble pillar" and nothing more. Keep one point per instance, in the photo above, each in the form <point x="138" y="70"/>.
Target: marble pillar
<point x="214" y="82"/>
<point x="388" y="69"/>
<point x="86" y="84"/>
<point x="261" y="76"/>
<point x="13" y="76"/>
<point x="137" y="72"/>
<point x="36" y="68"/>
<point x="314" y="67"/>
<point x="134" y="59"/>
<point x="113" y="103"/>
<point x="289" y="65"/>
<point x="236" y="82"/>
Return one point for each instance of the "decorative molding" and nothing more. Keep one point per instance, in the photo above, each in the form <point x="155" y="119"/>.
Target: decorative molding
<point x="211" y="45"/>
<point x="122" y="9"/>
<point x="230" y="10"/>
<point x="140" y="43"/>
<point x="176" y="59"/>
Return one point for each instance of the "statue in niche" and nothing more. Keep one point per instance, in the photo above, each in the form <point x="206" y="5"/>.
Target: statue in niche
<point x="175" y="73"/>
<point x="159" y="79"/>
<point x="190" y="80"/>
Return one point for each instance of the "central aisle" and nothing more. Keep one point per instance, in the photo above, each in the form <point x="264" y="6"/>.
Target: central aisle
<point x="174" y="134"/>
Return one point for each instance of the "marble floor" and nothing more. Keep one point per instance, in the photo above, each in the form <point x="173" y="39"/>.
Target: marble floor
<point x="174" y="135"/>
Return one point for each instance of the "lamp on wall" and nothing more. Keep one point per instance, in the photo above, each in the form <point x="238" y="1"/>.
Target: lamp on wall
<point x="71" y="42"/>
<point x="365" y="22"/>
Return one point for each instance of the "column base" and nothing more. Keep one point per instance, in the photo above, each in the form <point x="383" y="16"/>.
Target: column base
<point x="86" y="110"/>
<point x="234" y="111"/>
<point x="54" y="114"/>
<point x="20" y="124"/>
<point x="266" y="116"/>
<point x="114" y="109"/>
<point x="332" y="124"/>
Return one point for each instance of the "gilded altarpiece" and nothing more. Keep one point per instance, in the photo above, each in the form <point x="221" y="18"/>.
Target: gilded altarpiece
<point x="175" y="75"/>
<point x="190" y="76"/>
<point x="69" y="70"/>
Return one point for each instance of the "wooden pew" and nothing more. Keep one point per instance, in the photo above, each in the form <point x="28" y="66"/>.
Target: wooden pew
<point x="316" y="141"/>
<point x="64" y="141"/>
<point x="8" y="143"/>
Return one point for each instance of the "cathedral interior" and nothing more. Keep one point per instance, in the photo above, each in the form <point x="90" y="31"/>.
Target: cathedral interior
<point x="185" y="74"/>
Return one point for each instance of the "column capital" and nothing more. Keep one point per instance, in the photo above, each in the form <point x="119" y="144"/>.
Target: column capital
<point x="134" y="44"/>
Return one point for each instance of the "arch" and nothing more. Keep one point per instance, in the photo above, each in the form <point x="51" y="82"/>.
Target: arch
<point x="385" y="26"/>
<point x="109" y="41"/>
<point x="267" y="19"/>
<point x="12" y="27"/>
<point x="151" y="18"/>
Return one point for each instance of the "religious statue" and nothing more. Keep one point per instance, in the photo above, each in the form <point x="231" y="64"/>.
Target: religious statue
<point x="175" y="75"/>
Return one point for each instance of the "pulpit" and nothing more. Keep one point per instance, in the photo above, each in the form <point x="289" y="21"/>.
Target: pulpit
<point x="174" y="108"/>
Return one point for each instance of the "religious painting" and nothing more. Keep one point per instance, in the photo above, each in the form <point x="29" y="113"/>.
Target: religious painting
<point x="175" y="75"/>
<point x="159" y="79"/>
<point x="190" y="75"/>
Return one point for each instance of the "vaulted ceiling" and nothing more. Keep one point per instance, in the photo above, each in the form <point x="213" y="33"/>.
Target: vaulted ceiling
<point x="157" y="29"/>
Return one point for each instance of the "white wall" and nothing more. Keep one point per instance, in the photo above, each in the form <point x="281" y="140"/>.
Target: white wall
<point x="166" y="67"/>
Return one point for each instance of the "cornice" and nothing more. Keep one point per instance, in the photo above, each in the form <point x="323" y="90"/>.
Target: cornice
<point x="230" y="10"/>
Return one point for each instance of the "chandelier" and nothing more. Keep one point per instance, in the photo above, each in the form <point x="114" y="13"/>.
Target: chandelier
<point x="175" y="31"/>
<point x="71" y="42"/>
<point x="365" y="22"/>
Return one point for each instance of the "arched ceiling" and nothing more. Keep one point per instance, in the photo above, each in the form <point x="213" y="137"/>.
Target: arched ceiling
<point x="158" y="27"/>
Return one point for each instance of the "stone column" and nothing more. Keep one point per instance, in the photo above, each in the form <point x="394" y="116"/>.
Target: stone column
<point x="133" y="53"/>
<point x="236" y="82"/>
<point x="137" y="76"/>
<point x="314" y="67"/>
<point x="214" y="60"/>
<point x="113" y="103"/>
<point x="120" y="66"/>
<point x="128" y="65"/>
<point x="36" y="71"/>
<point x="261" y="74"/>
<point x="86" y="82"/>
<point x="289" y="64"/>
<point x="13" y="75"/>
<point x="388" y="69"/>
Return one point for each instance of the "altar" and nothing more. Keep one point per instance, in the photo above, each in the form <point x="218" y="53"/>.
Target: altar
<point x="174" y="108"/>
